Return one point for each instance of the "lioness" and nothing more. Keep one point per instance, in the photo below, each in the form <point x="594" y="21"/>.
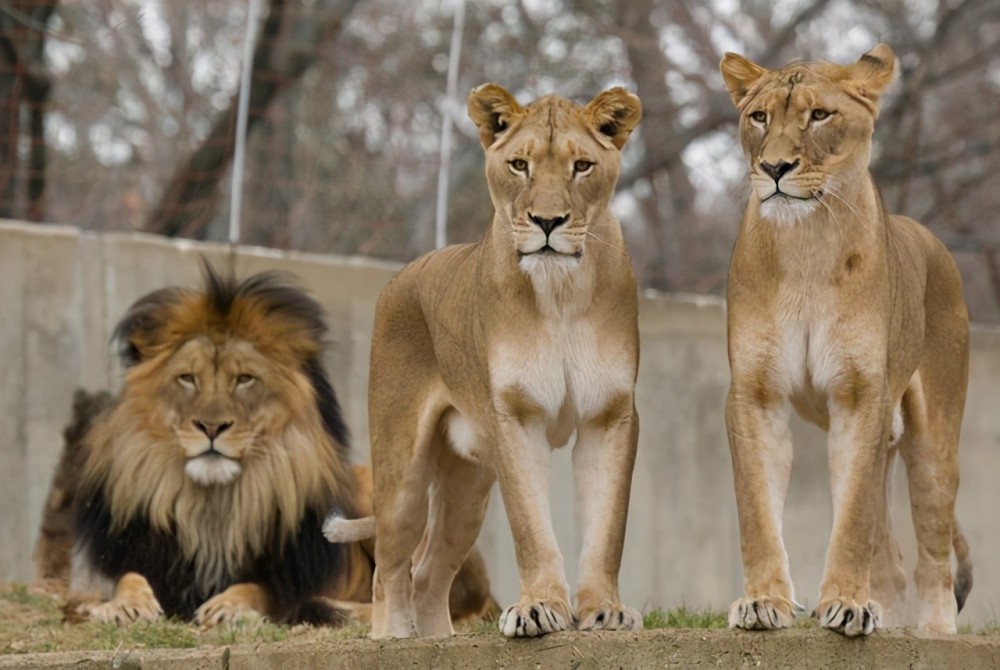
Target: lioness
<point x="486" y="356"/>
<point x="855" y="318"/>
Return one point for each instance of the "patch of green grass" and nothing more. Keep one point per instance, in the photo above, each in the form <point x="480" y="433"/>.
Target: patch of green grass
<point x="19" y="594"/>
<point x="991" y="628"/>
<point x="251" y="631"/>
<point x="683" y="617"/>
<point x="156" y="634"/>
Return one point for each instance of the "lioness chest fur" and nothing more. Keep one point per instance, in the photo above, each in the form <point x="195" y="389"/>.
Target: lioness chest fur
<point x="486" y="356"/>
<point x="854" y="318"/>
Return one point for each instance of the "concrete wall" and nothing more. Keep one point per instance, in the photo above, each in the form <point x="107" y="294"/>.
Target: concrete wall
<point x="62" y="291"/>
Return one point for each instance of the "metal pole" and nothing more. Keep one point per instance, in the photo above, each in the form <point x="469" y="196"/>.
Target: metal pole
<point x="242" y="112"/>
<point x="444" y="170"/>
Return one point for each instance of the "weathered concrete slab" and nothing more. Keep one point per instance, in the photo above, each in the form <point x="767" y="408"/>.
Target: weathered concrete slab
<point x="797" y="648"/>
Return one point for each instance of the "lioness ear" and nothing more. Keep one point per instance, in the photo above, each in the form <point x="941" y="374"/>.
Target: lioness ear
<point x="492" y="109"/>
<point x="739" y="74"/>
<point x="874" y="72"/>
<point x="614" y="114"/>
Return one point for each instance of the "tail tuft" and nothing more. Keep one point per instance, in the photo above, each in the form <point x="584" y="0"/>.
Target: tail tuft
<point x="338" y="529"/>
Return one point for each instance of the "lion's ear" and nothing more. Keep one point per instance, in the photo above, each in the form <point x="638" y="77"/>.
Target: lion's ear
<point x="615" y="114"/>
<point x="140" y="332"/>
<point x="874" y="72"/>
<point x="740" y="74"/>
<point x="492" y="109"/>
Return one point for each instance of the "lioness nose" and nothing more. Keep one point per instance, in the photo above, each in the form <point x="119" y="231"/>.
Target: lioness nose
<point x="776" y="172"/>
<point x="212" y="430"/>
<point x="548" y="225"/>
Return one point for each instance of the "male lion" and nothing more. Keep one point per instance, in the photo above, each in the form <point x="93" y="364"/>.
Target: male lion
<point x="855" y="318"/>
<point x="486" y="356"/>
<point x="205" y="483"/>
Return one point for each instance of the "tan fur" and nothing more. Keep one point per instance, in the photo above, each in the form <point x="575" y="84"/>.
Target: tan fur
<point x="855" y="319"/>
<point x="486" y="356"/>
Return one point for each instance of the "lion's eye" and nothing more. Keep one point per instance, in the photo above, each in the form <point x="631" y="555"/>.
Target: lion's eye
<point x="245" y="380"/>
<point x="819" y="115"/>
<point x="187" y="380"/>
<point x="518" y="165"/>
<point x="582" y="166"/>
<point x="759" y="116"/>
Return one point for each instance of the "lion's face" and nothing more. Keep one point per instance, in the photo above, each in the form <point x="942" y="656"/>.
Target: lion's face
<point x="222" y="402"/>
<point x="552" y="166"/>
<point x="223" y="396"/>
<point x="806" y="129"/>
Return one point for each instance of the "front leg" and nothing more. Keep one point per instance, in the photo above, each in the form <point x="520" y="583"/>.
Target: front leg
<point x="522" y="468"/>
<point x="133" y="600"/>
<point x="240" y="603"/>
<point x="761" y="447"/>
<point x="858" y="443"/>
<point x="602" y="466"/>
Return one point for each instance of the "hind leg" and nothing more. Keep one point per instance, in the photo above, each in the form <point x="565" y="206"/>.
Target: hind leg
<point x="888" y="578"/>
<point x="459" y="492"/>
<point x="931" y="457"/>
<point x="400" y="469"/>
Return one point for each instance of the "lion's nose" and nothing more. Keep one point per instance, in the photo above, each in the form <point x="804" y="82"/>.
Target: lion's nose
<point x="548" y="225"/>
<point x="212" y="430"/>
<point x="776" y="172"/>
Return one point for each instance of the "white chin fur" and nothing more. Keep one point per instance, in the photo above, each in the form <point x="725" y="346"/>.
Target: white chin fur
<point x="786" y="211"/>
<point x="209" y="470"/>
<point x="548" y="262"/>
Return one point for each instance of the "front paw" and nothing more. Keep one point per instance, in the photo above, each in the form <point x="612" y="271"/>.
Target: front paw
<point x="224" y="610"/>
<point x="849" y="617"/>
<point x="764" y="613"/>
<point x="611" y="616"/>
<point x="535" y="619"/>
<point x="133" y="601"/>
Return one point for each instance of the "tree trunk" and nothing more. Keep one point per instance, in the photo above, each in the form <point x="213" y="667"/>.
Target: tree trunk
<point x="24" y="92"/>
<point x="288" y="45"/>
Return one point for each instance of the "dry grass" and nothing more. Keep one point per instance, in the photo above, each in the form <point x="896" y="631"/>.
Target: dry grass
<point x="33" y="621"/>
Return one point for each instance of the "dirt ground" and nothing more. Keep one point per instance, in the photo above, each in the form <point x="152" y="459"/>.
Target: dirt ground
<point x="32" y="622"/>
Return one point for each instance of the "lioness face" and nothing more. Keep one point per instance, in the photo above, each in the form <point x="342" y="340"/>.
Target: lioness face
<point x="552" y="166"/>
<point x="220" y="402"/>
<point x="806" y="129"/>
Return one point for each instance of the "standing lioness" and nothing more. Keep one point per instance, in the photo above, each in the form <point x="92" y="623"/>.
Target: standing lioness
<point x="486" y="356"/>
<point x="856" y="319"/>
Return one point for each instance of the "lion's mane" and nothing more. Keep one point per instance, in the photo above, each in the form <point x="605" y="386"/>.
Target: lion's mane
<point x="138" y="512"/>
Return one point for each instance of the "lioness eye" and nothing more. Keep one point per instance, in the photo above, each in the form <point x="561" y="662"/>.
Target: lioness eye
<point x="186" y="379"/>
<point x="582" y="166"/>
<point x="518" y="165"/>
<point x="820" y="114"/>
<point x="759" y="116"/>
<point x="244" y="380"/>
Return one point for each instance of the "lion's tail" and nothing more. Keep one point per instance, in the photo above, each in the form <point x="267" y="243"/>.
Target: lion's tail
<point x="963" y="575"/>
<point x="338" y="529"/>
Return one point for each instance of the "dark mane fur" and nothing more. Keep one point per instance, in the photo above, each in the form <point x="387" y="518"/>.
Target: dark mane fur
<point x="294" y="570"/>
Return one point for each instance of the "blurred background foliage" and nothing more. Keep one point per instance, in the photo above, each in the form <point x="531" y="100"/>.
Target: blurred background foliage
<point x="120" y="115"/>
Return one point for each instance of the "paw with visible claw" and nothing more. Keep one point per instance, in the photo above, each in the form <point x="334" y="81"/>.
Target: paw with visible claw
<point x="763" y="613"/>
<point x="133" y="601"/>
<point x="239" y="604"/>
<point x="535" y="619"/>
<point x="849" y="617"/>
<point x="610" y="616"/>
